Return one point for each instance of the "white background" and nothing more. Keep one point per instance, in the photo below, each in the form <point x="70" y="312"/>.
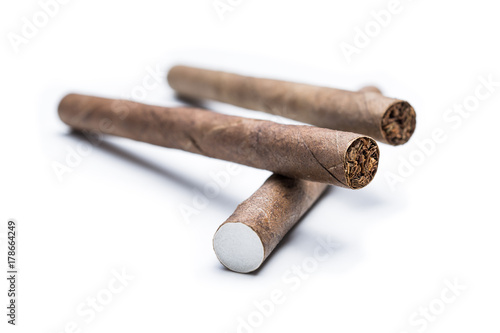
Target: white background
<point x="397" y="244"/>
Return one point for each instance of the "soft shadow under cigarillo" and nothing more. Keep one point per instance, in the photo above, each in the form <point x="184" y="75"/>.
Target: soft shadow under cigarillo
<point x="367" y="112"/>
<point x="251" y="233"/>
<point x="304" y="152"/>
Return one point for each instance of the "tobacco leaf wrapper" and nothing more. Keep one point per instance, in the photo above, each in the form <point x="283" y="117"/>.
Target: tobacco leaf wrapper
<point x="251" y="233"/>
<point x="304" y="152"/>
<point x="368" y="112"/>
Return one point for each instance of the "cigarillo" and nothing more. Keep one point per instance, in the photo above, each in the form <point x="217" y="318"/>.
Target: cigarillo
<point x="304" y="152"/>
<point x="245" y="240"/>
<point x="367" y="112"/>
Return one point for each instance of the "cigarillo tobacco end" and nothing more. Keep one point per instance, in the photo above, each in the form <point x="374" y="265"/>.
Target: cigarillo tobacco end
<point x="398" y="123"/>
<point x="238" y="247"/>
<point x="361" y="162"/>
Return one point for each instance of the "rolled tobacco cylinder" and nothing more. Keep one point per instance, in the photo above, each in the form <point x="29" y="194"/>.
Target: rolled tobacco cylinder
<point x="367" y="112"/>
<point x="304" y="152"/>
<point x="251" y="233"/>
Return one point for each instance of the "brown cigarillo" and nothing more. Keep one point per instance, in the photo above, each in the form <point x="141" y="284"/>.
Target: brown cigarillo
<point x="367" y="112"/>
<point x="251" y="233"/>
<point x="304" y="152"/>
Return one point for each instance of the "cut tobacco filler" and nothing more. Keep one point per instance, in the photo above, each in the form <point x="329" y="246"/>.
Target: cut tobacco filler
<point x="368" y="112"/>
<point x="303" y="152"/>
<point x="248" y="237"/>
